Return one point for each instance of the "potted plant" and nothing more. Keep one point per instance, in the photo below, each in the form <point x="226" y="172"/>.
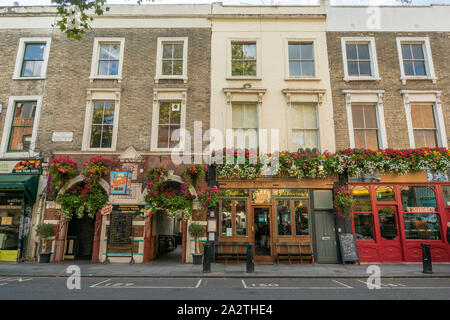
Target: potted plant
<point x="196" y="231"/>
<point x="44" y="231"/>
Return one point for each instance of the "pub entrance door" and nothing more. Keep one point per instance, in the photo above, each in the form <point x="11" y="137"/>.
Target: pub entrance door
<point x="390" y="246"/>
<point x="261" y="234"/>
<point x="80" y="238"/>
<point x="325" y="236"/>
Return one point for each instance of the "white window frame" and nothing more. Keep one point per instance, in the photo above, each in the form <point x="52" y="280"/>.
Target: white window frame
<point x="425" y="96"/>
<point x="159" y="53"/>
<point x="429" y="66"/>
<point x="288" y="76"/>
<point x="96" y="55"/>
<point x="291" y="126"/>
<point x="21" y="53"/>
<point x="373" y="58"/>
<point x="168" y="94"/>
<point x="258" y="58"/>
<point x="8" y="124"/>
<point x="100" y="94"/>
<point x="366" y="97"/>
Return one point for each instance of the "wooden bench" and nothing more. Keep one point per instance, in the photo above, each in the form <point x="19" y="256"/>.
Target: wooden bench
<point x="231" y="250"/>
<point x="294" y="249"/>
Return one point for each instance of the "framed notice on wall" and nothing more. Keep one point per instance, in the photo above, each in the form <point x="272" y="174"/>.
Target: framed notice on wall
<point x="120" y="182"/>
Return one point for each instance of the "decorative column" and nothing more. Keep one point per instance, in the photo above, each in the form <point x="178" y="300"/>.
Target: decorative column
<point x="183" y="245"/>
<point x="147" y="239"/>
<point x="97" y="237"/>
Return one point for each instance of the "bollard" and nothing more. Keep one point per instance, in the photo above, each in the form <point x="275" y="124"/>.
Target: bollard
<point x="206" y="257"/>
<point x="250" y="262"/>
<point x="426" y="258"/>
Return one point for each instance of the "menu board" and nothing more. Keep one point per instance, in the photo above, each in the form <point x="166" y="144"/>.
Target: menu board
<point x="349" y="251"/>
<point x="121" y="225"/>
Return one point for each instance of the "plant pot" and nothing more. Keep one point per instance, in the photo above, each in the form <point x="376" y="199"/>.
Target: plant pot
<point x="197" y="258"/>
<point x="44" y="258"/>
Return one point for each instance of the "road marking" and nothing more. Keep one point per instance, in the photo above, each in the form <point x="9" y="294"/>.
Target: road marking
<point x="343" y="284"/>
<point x="402" y="286"/>
<point x="296" y="288"/>
<point x="130" y="285"/>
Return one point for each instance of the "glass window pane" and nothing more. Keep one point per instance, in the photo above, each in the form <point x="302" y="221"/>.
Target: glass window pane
<point x="297" y="118"/>
<point x="428" y="116"/>
<point x="364" y="68"/>
<point x="363" y="51"/>
<point x="251" y="116"/>
<point x="446" y="195"/>
<point x="311" y="139"/>
<point x="175" y="113"/>
<point x="408" y="68"/>
<point x="178" y="51"/>
<point x="422" y="226"/>
<point x="419" y="139"/>
<point x="113" y="68"/>
<point x="430" y="138"/>
<point x="301" y="218"/>
<point x="353" y="69"/>
<point x="237" y="68"/>
<point x="34" y="51"/>
<point x="9" y="228"/>
<point x="295" y="68"/>
<point x="174" y="136"/>
<point x="306" y="51"/>
<point x="96" y="135"/>
<point x="167" y="51"/>
<point x="417" y="116"/>
<point x="20" y="139"/>
<point x="178" y="67"/>
<point x="351" y="51"/>
<point x="307" y="68"/>
<point x="358" y="116"/>
<point x="371" y="139"/>
<point x="107" y="136"/>
<point x="298" y="139"/>
<point x="363" y="226"/>
<point x="370" y="117"/>
<point x="237" y="51"/>
<point x="164" y="112"/>
<point x="419" y="67"/>
<point x="226" y="224"/>
<point x="360" y="138"/>
<point x="238" y="116"/>
<point x="406" y="51"/>
<point x="97" y="116"/>
<point x="284" y="224"/>
<point x="385" y="194"/>
<point x="249" y="68"/>
<point x="163" y="136"/>
<point x="249" y="51"/>
<point x="362" y="197"/>
<point x="417" y="51"/>
<point x="309" y="112"/>
<point x="418" y="198"/>
<point x="241" y="217"/>
<point x="103" y="68"/>
<point x="294" y="51"/>
<point x="388" y="223"/>
<point x="109" y="113"/>
<point x="167" y="68"/>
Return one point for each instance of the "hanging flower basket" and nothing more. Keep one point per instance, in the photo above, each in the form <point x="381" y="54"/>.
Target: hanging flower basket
<point x="96" y="168"/>
<point x="209" y="197"/>
<point x="343" y="203"/>
<point x="61" y="171"/>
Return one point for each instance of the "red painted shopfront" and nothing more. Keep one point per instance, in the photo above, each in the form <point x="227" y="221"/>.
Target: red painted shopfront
<point x="392" y="220"/>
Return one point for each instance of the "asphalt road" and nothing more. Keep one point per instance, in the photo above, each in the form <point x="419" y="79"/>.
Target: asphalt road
<point x="15" y="288"/>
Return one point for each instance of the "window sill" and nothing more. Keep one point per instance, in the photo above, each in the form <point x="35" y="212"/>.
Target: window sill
<point x="347" y="79"/>
<point x="302" y="79"/>
<point x="184" y="78"/>
<point x="403" y="79"/>
<point x="244" y="78"/>
<point x="19" y="154"/>
<point x="99" y="149"/>
<point x="29" y="78"/>
<point x="118" y="78"/>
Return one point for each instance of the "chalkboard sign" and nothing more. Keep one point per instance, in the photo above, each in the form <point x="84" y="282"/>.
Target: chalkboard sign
<point x="120" y="227"/>
<point x="349" y="251"/>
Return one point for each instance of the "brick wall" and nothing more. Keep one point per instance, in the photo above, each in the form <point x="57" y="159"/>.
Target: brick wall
<point x="64" y="90"/>
<point x="389" y="71"/>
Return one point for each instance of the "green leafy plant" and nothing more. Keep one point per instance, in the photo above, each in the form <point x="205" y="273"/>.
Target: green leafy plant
<point x="61" y="170"/>
<point x="196" y="231"/>
<point x="209" y="196"/>
<point x="44" y="231"/>
<point x="193" y="174"/>
<point x="343" y="202"/>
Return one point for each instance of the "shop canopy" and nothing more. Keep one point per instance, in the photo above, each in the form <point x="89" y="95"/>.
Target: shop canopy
<point x="26" y="183"/>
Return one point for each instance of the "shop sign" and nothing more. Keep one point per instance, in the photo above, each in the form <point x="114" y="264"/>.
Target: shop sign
<point x="261" y="196"/>
<point x="290" y="193"/>
<point x="120" y="182"/>
<point x="6" y="221"/>
<point x="420" y="209"/>
<point x="235" y="192"/>
<point x="21" y="167"/>
<point x="8" y="199"/>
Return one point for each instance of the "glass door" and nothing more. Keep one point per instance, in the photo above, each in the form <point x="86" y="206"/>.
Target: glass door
<point x="390" y="240"/>
<point x="262" y="232"/>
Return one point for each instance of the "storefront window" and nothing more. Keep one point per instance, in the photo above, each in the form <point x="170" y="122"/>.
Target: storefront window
<point x="301" y="218"/>
<point x="323" y="199"/>
<point x="422" y="226"/>
<point x="284" y="223"/>
<point x="418" y="199"/>
<point x="9" y="227"/>
<point x="388" y="223"/>
<point x="385" y="194"/>
<point x="241" y="217"/>
<point x="446" y="195"/>
<point x="362" y="197"/>
<point x="363" y="226"/>
<point x="226" y="222"/>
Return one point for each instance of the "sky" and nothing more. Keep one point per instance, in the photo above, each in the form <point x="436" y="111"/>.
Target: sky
<point x="238" y="2"/>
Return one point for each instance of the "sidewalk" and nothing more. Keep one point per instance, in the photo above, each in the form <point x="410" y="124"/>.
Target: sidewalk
<point x="169" y="270"/>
